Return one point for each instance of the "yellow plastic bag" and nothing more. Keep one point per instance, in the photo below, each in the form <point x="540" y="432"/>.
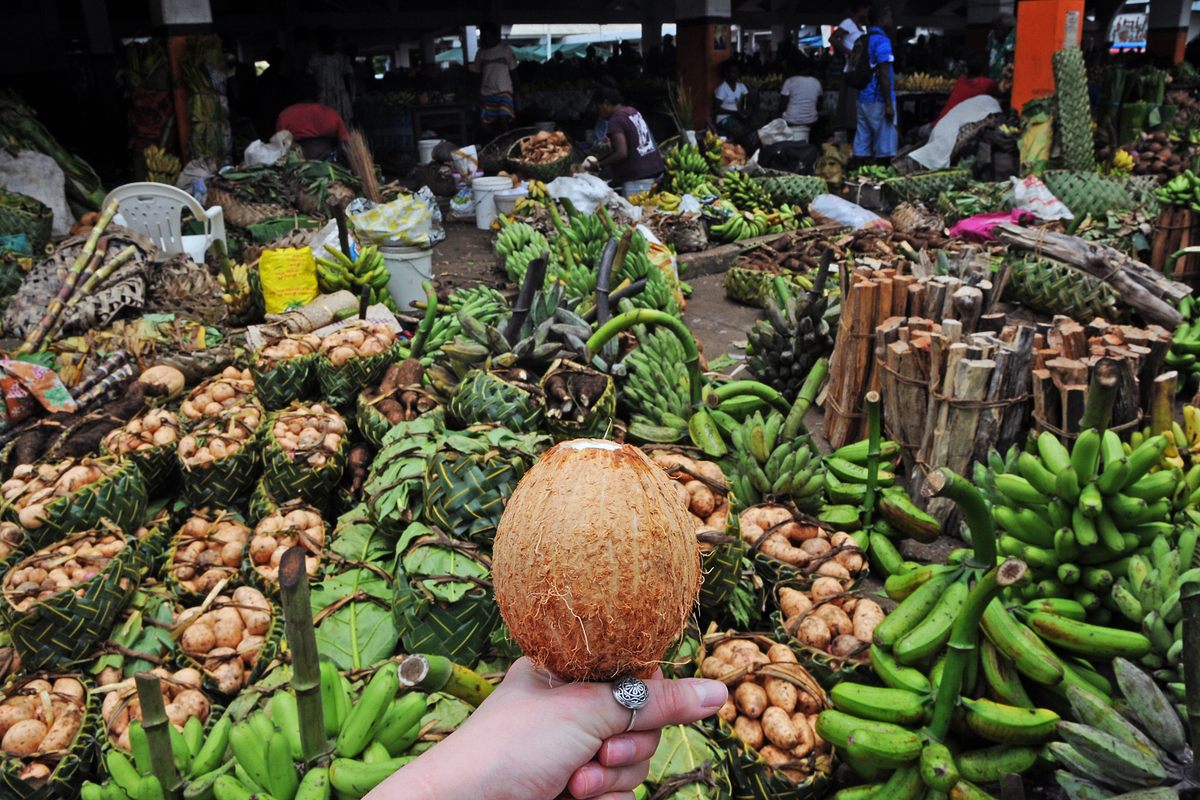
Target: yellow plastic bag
<point x="289" y="278"/>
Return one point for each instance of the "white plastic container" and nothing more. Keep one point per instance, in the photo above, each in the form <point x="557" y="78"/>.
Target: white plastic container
<point x="630" y="188"/>
<point x="425" y="150"/>
<point x="507" y="203"/>
<point x="407" y="267"/>
<point x="483" y="190"/>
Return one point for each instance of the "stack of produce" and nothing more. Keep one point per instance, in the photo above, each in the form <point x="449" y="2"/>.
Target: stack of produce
<point x="291" y="526"/>
<point x="208" y="548"/>
<point x="218" y="457"/>
<point x="216" y="396"/>
<point x="691" y="172"/>
<point x="47" y="730"/>
<point x="782" y="349"/>
<point x="836" y="625"/>
<point x="229" y="638"/>
<point x="750" y="278"/>
<point x="282" y="369"/>
<point x="187" y="706"/>
<point x="353" y="356"/>
<point x="366" y="275"/>
<point x="149" y="441"/>
<point x="304" y="452"/>
<point x="924" y="82"/>
<point x="769" y="721"/>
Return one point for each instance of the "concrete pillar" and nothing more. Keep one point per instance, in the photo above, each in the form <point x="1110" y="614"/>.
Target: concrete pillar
<point x="1168" y="29"/>
<point x="429" y="51"/>
<point x="651" y="29"/>
<point x="703" y="40"/>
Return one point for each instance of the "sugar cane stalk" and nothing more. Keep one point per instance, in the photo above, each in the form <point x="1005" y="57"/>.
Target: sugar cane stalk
<point x="39" y="332"/>
<point x="440" y="674"/>
<point x="101" y="275"/>
<point x="302" y="641"/>
<point x="873" y="435"/>
<point x="158" y="735"/>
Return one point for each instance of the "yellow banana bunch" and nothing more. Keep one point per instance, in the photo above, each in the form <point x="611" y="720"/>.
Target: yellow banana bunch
<point x="235" y="288"/>
<point x="161" y="166"/>
<point x="924" y="82"/>
<point x="1122" y="162"/>
<point x="538" y="191"/>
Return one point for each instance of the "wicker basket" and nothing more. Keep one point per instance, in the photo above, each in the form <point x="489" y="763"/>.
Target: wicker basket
<point x="22" y="214"/>
<point x="493" y="156"/>
<point x="541" y="172"/>
<point x="242" y="214"/>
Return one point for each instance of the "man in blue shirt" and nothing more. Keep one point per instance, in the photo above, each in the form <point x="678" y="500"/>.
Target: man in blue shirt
<point x="876" y="134"/>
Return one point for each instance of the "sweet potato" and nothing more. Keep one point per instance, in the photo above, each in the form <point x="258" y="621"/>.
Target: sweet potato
<point x="867" y="614"/>
<point x="23" y="738"/>
<point x="713" y="667"/>
<point x="824" y="588"/>
<point x="749" y="731"/>
<point x="781" y="654"/>
<point x="793" y="602"/>
<point x="728" y="711"/>
<point x="777" y="727"/>
<point x="751" y="699"/>
<point x="807" y="704"/>
<point x="781" y="693"/>
<point x="773" y="755"/>
<point x="814" y="632"/>
<point x="805" y="737"/>
<point x="838" y="621"/>
<point x="850" y="560"/>
<point x="63" y="731"/>
<point x="847" y="646"/>
<point x="834" y="569"/>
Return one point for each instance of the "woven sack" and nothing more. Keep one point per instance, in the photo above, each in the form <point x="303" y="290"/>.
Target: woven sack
<point x="242" y="214"/>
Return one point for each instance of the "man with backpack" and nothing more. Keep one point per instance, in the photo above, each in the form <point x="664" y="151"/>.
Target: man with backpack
<point x="871" y="67"/>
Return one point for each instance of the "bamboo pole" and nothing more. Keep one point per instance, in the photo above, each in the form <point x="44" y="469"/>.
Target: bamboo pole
<point x="158" y="734"/>
<point x="302" y="642"/>
<point x="872" y="404"/>
<point x="55" y="307"/>
<point x="440" y="674"/>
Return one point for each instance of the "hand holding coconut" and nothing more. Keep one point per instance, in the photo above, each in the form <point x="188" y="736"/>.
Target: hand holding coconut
<point x="597" y="569"/>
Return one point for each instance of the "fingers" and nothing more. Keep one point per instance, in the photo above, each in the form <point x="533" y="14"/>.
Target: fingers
<point x="592" y="780"/>
<point x="628" y="748"/>
<point x="670" y="702"/>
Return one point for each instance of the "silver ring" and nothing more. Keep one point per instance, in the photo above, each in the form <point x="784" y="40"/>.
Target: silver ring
<point x="631" y="693"/>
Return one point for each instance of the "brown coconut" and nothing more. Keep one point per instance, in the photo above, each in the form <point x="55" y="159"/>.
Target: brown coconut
<point x="596" y="564"/>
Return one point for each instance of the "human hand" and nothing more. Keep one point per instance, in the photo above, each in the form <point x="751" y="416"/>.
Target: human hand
<point x="535" y="738"/>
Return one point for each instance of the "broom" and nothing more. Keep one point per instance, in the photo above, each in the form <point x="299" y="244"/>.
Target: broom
<point x="362" y="163"/>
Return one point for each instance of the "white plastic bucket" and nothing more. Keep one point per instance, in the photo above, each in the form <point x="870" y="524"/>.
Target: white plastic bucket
<point x="630" y="188"/>
<point x="425" y="150"/>
<point x="483" y="191"/>
<point x="507" y="203"/>
<point x="690" y="137"/>
<point x="407" y="267"/>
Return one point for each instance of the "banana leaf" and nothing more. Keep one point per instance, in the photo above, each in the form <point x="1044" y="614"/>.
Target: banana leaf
<point x="393" y="487"/>
<point x="688" y="766"/>
<point x="352" y="609"/>
<point x="145" y="630"/>
<point x="444" y="716"/>
<point x="443" y="602"/>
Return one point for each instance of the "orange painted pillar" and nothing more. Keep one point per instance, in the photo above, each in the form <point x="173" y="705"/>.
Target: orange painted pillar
<point x="1043" y="28"/>
<point x="703" y="41"/>
<point x="1167" y="36"/>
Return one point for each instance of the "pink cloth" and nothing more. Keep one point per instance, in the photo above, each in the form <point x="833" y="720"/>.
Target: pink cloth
<point x="979" y="227"/>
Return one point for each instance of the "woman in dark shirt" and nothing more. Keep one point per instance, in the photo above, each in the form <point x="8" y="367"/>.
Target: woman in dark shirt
<point x="635" y="155"/>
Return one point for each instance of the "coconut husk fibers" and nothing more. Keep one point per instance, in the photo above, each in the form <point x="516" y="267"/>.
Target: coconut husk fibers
<point x="595" y="563"/>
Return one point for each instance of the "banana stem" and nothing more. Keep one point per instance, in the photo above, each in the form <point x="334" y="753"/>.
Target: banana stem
<point x="872" y="404"/>
<point x="158" y="737"/>
<point x="535" y="278"/>
<point x="1102" y="394"/>
<point x="648" y="316"/>
<point x="754" y="389"/>
<point x="431" y="308"/>
<point x="440" y="674"/>
<point x="1190" y="599"/>
<point x="947" y="483"/>
<point x="964" y="636"/>
<point x="793" y="426"/>
<point x="302" y="642"/>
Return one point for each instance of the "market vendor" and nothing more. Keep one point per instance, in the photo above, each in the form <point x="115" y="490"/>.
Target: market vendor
<point x="635" y="156"/>
<point x="317" y="128"/>
<point x="731" y="96"/>
<point x="972" y="84"/>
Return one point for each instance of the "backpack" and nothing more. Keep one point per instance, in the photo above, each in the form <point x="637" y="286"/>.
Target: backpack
<point x="858" y="63"/>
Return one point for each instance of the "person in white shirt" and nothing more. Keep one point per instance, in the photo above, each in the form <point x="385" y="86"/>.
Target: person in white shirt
<point x="845" y="120"/>
<point x="730" y="99"/>
<point x="800" y="98"/>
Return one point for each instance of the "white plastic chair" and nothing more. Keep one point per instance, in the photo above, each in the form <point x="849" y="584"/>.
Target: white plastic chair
<point x="155" y="210"/>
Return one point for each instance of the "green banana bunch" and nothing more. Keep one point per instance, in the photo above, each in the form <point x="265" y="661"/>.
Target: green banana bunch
<point x="367" y="271"/>
<point x="517" y="244"/>
<point x="656" y="393"/>
<point x="1144" y="753"/>
<point x="1076" y="515"/>
<point x="1182" y="190"/>
<point x="1148" y="596"/>
<point x="714" y="151"/>
<point x="480" y="303"/>
<point x="741" y="190"/>
<point x="199" y="759"/>
<point x="765" y="467"/>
